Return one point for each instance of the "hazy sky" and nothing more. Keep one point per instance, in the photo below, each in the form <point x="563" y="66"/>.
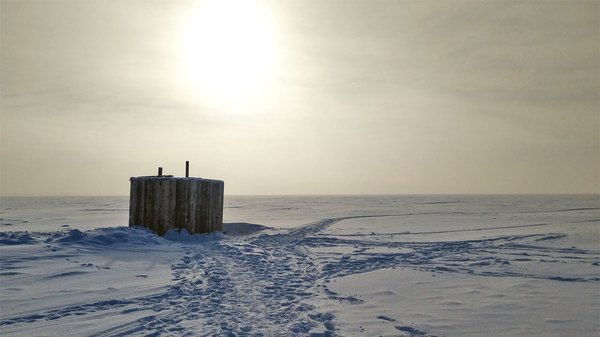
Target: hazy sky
<point x="301" y="97"/>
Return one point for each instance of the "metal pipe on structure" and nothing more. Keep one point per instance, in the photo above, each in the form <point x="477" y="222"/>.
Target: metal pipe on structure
<point x="187" y="169"/>
<point x="160" y="171"/>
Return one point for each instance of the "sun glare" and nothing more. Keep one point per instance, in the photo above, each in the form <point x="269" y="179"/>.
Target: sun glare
<point x="227" y="48"/>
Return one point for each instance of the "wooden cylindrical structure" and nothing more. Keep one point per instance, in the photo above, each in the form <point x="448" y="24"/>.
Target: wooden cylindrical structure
<point x="164" y="202"/>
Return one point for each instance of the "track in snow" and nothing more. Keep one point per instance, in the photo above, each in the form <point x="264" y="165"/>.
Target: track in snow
<point x="261" y="286"/>
<point x="240" y="287"/>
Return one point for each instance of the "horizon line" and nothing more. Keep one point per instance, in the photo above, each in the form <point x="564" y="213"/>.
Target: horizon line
<point x="313" y="195"/>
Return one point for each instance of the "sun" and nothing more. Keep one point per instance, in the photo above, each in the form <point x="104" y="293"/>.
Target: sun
<point x="227" y="48"/>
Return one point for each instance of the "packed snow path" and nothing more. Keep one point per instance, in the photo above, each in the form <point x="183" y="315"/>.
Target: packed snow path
<point x="253" y="287"/>
<point x="263" y="285"/>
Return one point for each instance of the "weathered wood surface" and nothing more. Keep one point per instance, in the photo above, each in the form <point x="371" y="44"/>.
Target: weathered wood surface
<point x="163" y="202"/>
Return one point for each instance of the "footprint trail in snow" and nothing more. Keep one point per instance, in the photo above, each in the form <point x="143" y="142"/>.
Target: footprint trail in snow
<point x="241" y="287"/>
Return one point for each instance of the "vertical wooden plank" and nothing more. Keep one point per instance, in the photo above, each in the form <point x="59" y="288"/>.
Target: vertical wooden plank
<point x="158" y="206"/>
<point x="164" y="224"/>
<point x="205" y="206"/>
<point x="199" y="211"/>
<point x="192" y="190"/>
<point x="154" y="204"/>
<point x="142" y="198"/>
<point x="186" y="206"/>
<point x="149" y="205"/>
<point x="145" y="203"/>
<point x="188" y="196"/>
<point x="215" y="210"/>
<point x="199" y="200"/>
<point x="144" y="214"/>
<point x="132" y="201"/>
<point x="220" y="196"/>
<point x="214" y="204"/>
<point x="179" y="216"/>
<point x="165" y="204"/>
<point x="172" y="203"/>
<point x="209" y="208"/>
<point x="139" y="203"/>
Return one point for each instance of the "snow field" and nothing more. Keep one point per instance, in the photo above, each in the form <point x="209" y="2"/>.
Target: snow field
<point x="367" y="266"/>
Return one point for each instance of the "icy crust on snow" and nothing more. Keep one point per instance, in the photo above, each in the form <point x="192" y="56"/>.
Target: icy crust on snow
<point x="184" y="236"/>
<point x="244" y="228"/>
<point x="16" y="238"/>
<point x="128" y="235"/>
<point x="97" y="237"/>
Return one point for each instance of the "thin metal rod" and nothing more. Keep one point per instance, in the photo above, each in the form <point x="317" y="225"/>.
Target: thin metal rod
<point x="187" y="168"/>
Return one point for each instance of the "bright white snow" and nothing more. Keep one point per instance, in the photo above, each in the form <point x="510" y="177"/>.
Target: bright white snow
<point x="300" y="266"/>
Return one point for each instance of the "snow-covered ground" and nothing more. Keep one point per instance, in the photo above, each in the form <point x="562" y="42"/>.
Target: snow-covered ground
<point x="300" y="266"/>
